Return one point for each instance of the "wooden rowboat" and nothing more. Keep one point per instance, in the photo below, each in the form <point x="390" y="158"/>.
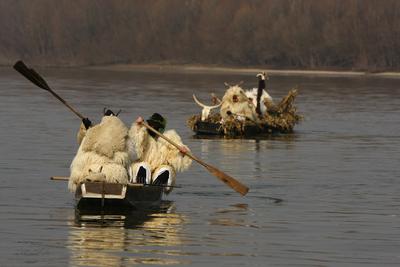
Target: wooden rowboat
<point x="110" y="198"/>
<point x="280" y="119"/>
<point x="95" y="197"/>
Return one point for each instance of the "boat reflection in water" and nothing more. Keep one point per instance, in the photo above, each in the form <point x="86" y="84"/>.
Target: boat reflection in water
<point x="150" y="236"/>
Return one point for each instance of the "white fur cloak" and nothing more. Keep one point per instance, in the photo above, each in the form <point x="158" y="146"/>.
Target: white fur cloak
<point x="157" y="152"/>
<point x="102" y="155"/>
<point x="81" y="133"/>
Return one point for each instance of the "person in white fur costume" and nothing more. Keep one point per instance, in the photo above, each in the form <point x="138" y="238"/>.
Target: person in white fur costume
<point x="103" y="152"/>
<point x="158" y="161"/>
<point x="236" y="103"/>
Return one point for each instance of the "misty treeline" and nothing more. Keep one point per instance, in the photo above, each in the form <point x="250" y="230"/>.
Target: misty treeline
<point x="350" y="34"/>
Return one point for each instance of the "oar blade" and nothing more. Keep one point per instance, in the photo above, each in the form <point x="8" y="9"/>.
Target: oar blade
<point x="20" y="66"/>
<point x="40" y="79"/>
<point x="30" y="74"/>
<point x="228" y="180"/>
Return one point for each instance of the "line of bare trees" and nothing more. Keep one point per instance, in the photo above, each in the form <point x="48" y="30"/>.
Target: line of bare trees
<point x="349" y="34"/>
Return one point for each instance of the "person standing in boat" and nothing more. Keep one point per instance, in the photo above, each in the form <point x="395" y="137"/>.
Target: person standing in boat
<point x="158" y="161"/>
<point x="103" y="152"/>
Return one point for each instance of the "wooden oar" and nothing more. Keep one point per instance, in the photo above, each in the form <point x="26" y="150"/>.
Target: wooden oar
<point x="38" y="80"/>
<point x="228" y="180"/>
<point x="59" y="178"/>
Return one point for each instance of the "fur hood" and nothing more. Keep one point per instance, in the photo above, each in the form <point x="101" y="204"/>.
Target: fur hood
<point x="241" y="106"/>
<point x="106" y="138"/>
<point x="235" y="90"/>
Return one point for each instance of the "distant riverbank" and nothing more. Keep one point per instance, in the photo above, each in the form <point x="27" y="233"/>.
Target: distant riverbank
<point x="250" y="70"/>
<point x="209" y="69"/>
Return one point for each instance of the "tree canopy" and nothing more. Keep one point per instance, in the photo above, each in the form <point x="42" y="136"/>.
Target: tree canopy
<point x="346" y="34"/>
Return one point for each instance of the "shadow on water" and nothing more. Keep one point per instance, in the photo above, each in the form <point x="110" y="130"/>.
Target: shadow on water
<point x="127" y="218"/>
<point x="142" y="236"/>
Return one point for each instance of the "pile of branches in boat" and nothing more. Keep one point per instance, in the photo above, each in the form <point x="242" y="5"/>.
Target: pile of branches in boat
<point x="281" y="117"/>
<point x="212" y="118"/>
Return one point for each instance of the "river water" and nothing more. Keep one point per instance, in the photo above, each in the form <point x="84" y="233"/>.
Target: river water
<point x="338" y="175"/>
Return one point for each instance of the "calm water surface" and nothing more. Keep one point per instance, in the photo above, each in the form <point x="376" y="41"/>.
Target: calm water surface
<point x="338" y="176"/>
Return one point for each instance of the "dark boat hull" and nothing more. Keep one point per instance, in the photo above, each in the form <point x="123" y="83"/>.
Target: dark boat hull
<point x="95" y="197"/>
<point x="216" y="129"/>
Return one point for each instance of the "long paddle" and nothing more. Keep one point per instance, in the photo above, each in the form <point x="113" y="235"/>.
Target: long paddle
<point x="36" y="79"/>
<point x="228" y="180"/>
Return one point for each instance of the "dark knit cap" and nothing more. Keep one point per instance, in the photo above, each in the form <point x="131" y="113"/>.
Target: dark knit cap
<point x="158" y="122"/>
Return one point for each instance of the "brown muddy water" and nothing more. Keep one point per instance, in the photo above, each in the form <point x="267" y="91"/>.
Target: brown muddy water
<point x="338" y="176"/>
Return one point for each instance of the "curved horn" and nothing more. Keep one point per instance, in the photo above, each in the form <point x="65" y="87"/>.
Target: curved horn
<point x="119" y="111"/>
<point x="262" y="76"/>
<point x="198" y="102"/>
<point x="205" y="106"/>
<point x="240" y="83"/>
<point x="104" y="110"/>
<point x="227" y="84"/>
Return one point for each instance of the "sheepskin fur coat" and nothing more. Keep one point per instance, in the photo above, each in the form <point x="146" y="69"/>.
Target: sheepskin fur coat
<point x="157" y="151"/>
<point x="102" y="155"/>
<point x="236" y="101"/>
